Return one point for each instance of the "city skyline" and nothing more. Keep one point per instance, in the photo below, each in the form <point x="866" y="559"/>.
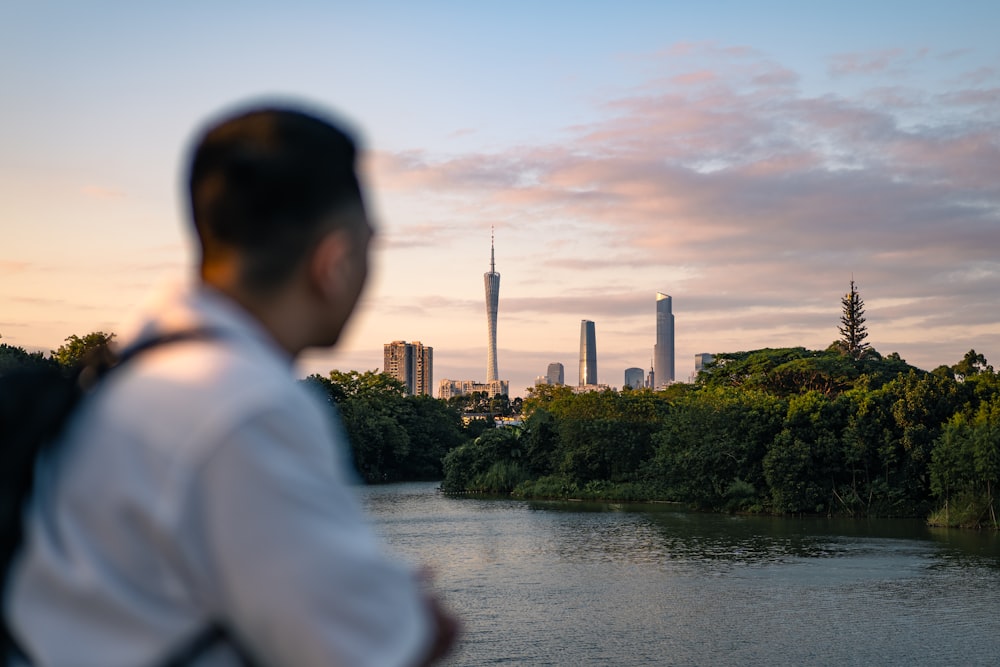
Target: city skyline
<point x="749" y="160"/>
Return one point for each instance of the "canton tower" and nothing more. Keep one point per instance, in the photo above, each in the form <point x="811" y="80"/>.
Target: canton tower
<point x="492" y="282"/>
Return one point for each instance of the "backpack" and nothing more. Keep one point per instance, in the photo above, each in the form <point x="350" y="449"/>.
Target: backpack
<point x="35" y="406"/>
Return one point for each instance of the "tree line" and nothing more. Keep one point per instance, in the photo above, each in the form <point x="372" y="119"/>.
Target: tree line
<point x="393" y="436"/>
<point x="71" y="352"/>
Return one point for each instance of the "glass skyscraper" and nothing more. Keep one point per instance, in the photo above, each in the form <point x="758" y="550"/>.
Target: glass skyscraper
<point x="635" y="378"/>
<point x="663" y="351"/>
<point x="588" y="353"/>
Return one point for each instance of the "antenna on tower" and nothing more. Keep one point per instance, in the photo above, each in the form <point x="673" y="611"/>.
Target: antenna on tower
<point x="492" y="262"/>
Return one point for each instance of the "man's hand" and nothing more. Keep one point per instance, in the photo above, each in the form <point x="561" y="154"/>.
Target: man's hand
<point x="446" y="626"/>
<point x="446" y="630"/>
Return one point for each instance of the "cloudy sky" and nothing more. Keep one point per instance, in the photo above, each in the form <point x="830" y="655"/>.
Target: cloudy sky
<point x="747" y="158"/>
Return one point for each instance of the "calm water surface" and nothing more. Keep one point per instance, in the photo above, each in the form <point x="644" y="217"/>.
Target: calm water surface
<point x="539" y="583"/>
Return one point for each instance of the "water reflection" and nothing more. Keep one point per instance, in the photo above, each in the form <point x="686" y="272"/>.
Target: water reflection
<point x="616" y="584"/>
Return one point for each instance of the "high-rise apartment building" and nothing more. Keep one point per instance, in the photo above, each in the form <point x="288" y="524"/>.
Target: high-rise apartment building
<point x="588" y="353"/>
<point x="491" y="280"/>
<point x="663" y="351"/>
<point x="555" y="374"/>
<point x="410" y="363"/>
<point x="634" y="378"/>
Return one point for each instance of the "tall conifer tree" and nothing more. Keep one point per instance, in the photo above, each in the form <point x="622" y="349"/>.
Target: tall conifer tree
<point x="852" y="325"/>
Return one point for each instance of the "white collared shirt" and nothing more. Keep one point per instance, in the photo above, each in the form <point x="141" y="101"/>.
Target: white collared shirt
<point x="202" y="483"/>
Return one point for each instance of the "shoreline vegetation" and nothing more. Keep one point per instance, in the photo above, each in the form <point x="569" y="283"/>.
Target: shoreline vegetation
<point x="774" y="431"/>
<point x="790" y="431"/>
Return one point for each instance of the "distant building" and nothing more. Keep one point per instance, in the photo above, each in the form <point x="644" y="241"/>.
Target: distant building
<point x="556" y="374"/>
<point x="410" y="363"/>
<point x="634" y="378"/>
<point x="701" y="361"/>
<point x="588" y="354"/>
<point x="587" y="388"/>
<point x="663" y="351"/>
<point x="450" y="388"/>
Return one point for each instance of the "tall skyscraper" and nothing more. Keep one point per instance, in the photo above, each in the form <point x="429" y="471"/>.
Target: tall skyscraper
<point x="555" y="374"/>
<point x="588" y="353"/>
<point x="492" y="283"/>
<point x="410" y="363"/>
<point x="634" y="378"/>
<point x="663" y="351"/>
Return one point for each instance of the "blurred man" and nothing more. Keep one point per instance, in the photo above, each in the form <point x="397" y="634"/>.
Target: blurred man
<point x="198" y="511"/>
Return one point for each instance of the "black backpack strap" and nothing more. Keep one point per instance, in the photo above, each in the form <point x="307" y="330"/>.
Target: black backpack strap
<point x="102" y="359"/>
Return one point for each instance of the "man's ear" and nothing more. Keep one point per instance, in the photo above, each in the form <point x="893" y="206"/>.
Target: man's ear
<point x="330" y="264"/>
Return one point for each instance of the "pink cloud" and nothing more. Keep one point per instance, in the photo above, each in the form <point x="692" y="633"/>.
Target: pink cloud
<point x="699" y="77"/>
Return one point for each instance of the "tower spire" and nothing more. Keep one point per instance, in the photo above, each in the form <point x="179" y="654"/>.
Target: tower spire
<point x="492" y="283"/>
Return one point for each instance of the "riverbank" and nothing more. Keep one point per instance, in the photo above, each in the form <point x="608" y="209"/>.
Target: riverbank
<point x="968" y="513"/>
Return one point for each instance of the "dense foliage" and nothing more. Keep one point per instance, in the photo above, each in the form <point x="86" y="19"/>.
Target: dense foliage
<point x="70" y="353"/>
<point x="394" y="437"/>
<point x="773" y="430"/>
<point x="75" y="348"/>
<point x="14" y="358"/>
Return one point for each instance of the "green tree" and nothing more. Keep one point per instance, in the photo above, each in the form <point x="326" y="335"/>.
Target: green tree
<point x="709" y="449"/>
<point x="971" y="364"/>
<point x="965" y="467"/>
<point x="434" y="429"/>
<point x="492" y="463"/>
<point x="379" y="443"/>
<point x="75" y="349"/>
<point x="852" y="325"/>
<point x="805" y="459"/>
<point x="341" y="385"/>
<point x="541" y="442"/>
<point x="545" y="396"/>
<point x="13" y="358"/>
<point x="393" y="436"/>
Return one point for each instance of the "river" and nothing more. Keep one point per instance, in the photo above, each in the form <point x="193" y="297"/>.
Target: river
<point x="579" y="584"/>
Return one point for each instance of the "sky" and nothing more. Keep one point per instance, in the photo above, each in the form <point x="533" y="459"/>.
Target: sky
<point x="748" y="158"/>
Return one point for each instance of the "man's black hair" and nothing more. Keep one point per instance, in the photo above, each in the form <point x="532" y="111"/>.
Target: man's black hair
<point x="264" y="183"/>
